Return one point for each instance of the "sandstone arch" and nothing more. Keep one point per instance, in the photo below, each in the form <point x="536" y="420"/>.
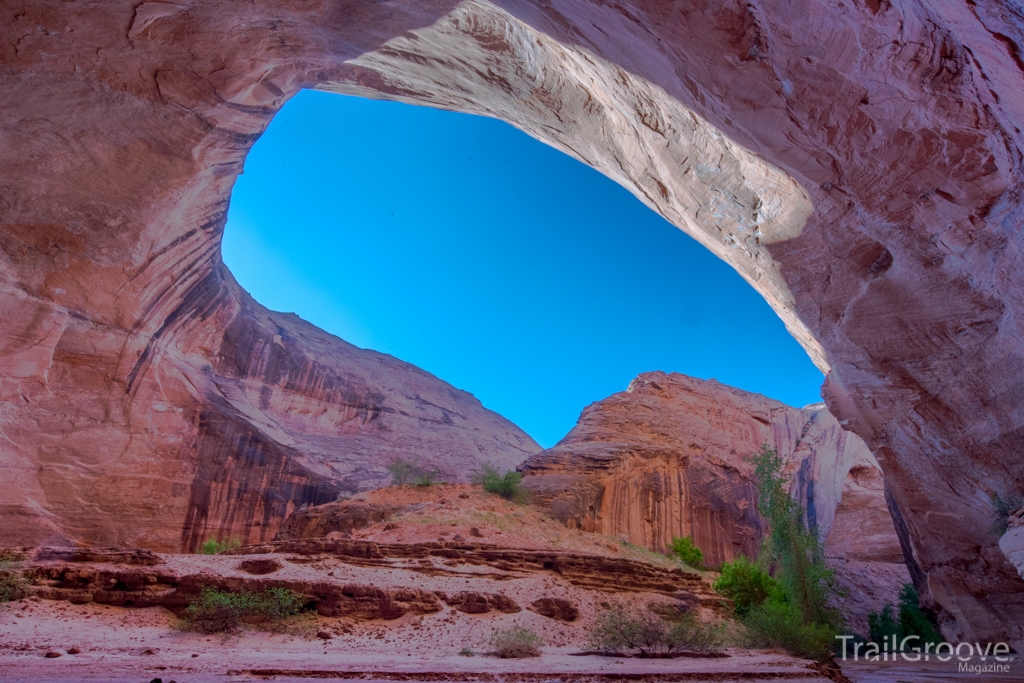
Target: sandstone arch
<point x="859" y="163"/>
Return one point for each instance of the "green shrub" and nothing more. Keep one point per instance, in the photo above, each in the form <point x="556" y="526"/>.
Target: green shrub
<point x="685" y="550"/>
<point x="466" y="652"/>
<point x="217" y="611"/>
<point x="746" y="584"/>
<point x="505" y="485"/>
<point x="516" y="643"/>
<point x="213" y="546"/>
<point x="781" y="624"/>
<point x="1002" y="508"/>
<point x="622" y="629"/>
<point x="911" y="621"/>
<point x="882" y="627"/>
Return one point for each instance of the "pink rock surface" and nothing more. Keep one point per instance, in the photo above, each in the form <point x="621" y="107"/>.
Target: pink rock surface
<point x="858" y="162"/>
<point x="669" y="458"/>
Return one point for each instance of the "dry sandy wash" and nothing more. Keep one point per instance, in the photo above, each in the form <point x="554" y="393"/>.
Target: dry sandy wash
<point x="858" y="161"/>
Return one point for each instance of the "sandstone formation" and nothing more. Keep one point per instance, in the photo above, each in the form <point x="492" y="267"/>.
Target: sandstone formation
<point x="668" y="458"/>
<point x="859" y="162"/>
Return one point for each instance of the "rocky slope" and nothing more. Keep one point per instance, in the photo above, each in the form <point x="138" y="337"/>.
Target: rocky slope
<point x="668" y="458"/>
<point x="858" y="162"/>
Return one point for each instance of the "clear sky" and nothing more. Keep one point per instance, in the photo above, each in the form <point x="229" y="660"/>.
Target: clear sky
<point x="461" y="245"/>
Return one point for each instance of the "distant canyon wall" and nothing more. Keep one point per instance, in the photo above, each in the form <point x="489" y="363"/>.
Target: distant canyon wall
<point x="858" y="162"/>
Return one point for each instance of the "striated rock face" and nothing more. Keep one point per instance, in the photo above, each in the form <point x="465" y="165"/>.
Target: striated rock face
<point x="667" y="458"/>
<point x="858" y="162"/>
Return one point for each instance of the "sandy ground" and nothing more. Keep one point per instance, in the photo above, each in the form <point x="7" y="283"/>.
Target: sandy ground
<point x="139" y="645"/>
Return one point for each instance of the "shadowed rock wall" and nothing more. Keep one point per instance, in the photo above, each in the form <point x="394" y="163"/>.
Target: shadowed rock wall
<point x="858" y="162"/>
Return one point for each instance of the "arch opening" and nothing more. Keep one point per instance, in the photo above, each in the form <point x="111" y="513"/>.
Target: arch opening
<point x="504" y="267"/>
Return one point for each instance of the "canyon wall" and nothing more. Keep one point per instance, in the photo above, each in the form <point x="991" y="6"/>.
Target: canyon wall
<point x="669" y="457"/>
<point x="857" y="161"/>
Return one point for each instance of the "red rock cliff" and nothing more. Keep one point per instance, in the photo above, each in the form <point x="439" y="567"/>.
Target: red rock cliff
<point x="858" y="161"/>
<point x="668" y="458"/>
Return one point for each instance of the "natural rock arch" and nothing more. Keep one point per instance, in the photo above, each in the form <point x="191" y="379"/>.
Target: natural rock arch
<point x="859" y="163"/>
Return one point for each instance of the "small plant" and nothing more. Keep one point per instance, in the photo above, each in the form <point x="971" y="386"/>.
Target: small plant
<point x="746" y="584"/>
<point x="426" y="478"/>
<point x="507" y="485"/>
<point x="685" y="550"/>
<point x="217" y="611"/>
<point x="402" y="471"/>
<point x="1002" y="508"/>
<point x="691" y="634"/>
<point x="12" y="584"/>
<point x="516" y="643"/>
<point x="213" y="546"/>
<point x="466" y="652"/>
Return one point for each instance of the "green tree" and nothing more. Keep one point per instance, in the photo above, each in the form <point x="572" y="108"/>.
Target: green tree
<point x="794" y="549"/>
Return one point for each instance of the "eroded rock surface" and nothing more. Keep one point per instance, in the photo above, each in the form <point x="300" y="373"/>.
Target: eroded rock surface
<point x="668" y="458"/>
<point x="858" y="162"/>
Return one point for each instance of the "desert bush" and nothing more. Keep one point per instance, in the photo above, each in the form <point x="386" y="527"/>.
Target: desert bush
<point x="427" y="477"/>
<point x="217" y="611"/>
<point x="622" y="629"/>
<point x="685" y="550"/>
<point x="505" y="485"/>
<point x="1002" y="508"/>
<point x="12" y="583"/>
<point x="402" y="472"/>
<point x="213" y="546"/>
<point x="466" y="652"/>
<point x="691" y="634"/>
<point x="516" y="643"/>
<point x="746" y="583"/>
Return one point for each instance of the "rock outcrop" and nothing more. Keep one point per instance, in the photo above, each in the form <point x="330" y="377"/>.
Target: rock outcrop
<point x="859" y="163"/>
<point x="668" y="458"/>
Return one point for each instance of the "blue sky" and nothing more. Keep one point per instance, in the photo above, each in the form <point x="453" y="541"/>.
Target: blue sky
<point x="461" y="245"/>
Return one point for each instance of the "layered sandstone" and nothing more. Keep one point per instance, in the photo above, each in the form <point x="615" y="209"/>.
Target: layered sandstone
<point x="858" y="162"/>
<point x="669" y="457"/>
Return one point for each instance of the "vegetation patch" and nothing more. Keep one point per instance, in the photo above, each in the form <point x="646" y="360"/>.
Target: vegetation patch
<point x="685" y="550"/>
<point x="911" y="620"/>
<point x="629" y="630"/>
<point x="404" y="472"/>
<point x="12" y="584"/>
<point x="747" y="584"/>
<point x="507" y="485"/>
<point x="213" y="546"/>
<point x="788" y="606"/>
<point x="515" y="643"/>
<point x="1002" y="508"/>
<point x="218" y="611"/>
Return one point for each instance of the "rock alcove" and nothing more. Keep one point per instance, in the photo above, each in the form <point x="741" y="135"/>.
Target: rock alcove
<point x="858" y="163"/>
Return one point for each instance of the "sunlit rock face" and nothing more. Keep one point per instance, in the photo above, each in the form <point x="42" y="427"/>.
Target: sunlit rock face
<point x="670" y="457"/>
<point x="857" y="161"/>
